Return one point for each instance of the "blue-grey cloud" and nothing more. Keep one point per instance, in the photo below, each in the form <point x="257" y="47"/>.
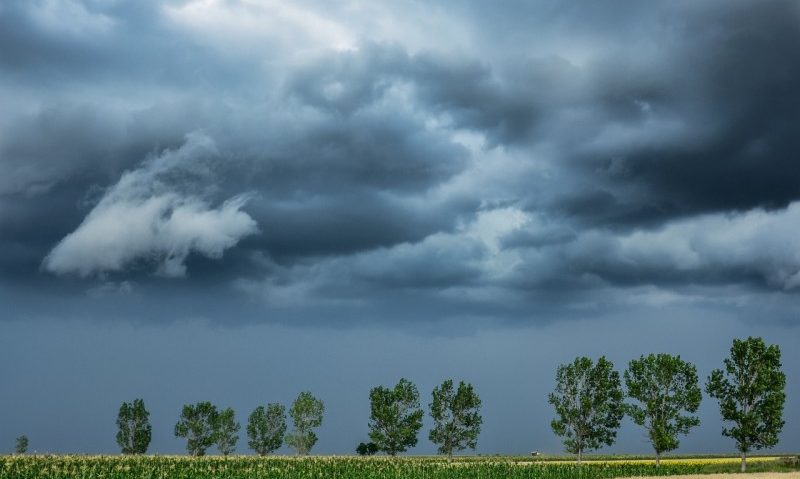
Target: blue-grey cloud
<point x="428" y="169"/>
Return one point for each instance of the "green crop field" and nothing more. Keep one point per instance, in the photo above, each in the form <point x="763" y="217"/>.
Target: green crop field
<point x="252" y="467"/>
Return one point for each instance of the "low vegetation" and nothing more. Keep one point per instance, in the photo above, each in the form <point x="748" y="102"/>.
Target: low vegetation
<point x="255" y="467"/>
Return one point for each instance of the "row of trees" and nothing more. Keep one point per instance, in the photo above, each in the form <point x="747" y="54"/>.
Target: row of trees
<point x="664" y="394"/>
<point x="396" y="418"/>
<point x="395" y="421"/>
<point x="203" y="425"/>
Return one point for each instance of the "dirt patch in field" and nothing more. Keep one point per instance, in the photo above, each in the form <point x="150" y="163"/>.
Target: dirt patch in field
<point x="754" y="475"/>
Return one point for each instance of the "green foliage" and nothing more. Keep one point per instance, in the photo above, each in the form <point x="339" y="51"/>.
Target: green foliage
<point x="367" y="449"/>
<point x="266" y="428"/>
<point x="21" y="447"/>
<point x="198" y="425"/>
<point x="666" y="388"/>
<point x="226" y="431"/>
<point x="751" y="394"/>
<point x="456" y="416"/>
<point x="395" y="417"/>
<point x="588" y="404"/>
<point x="134" y="430"/>
<point x="306" y="413"/>
<point x="253" y="467"/>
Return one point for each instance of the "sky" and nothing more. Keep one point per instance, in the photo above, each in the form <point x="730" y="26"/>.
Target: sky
<point x="236" y="201"/>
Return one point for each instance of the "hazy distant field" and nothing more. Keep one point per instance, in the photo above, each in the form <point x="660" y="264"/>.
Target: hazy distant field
<point x="282" y="467"/>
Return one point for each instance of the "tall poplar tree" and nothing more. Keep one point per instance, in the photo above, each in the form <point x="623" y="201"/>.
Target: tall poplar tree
<point x="133" y="427"/>
<point x="395" y="417"/>
<point x="667" y="395"/>
<point x="588" y="405"/>
<point x="751" y="395"/>
<point x="456" y="413"/>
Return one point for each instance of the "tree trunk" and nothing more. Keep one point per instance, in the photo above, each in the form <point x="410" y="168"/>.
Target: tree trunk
<point x="744" y="462"/>
<point x="579" y="457"/>
<point x="658" y="459"/>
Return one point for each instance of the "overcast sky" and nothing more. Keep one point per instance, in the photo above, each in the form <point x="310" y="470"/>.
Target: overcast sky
<point x="236" y="201"/>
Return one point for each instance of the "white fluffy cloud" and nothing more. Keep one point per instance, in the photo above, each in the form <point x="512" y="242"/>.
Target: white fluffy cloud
<point x="758" y="242"/>
<point x="152" y="215"/>
<point x="507" y="251"/>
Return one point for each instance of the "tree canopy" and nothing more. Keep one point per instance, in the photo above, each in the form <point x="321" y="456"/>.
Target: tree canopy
<point x="751" y="395"/>
<point x="197" y="424"/>
<point x="457" y="418"/>
<point x="306" y="413"/>
<point x="226" y="431"/>
<point x="266" y="428"/>
<point x="133" y="427"/>
<point x="667" y="395"/>
<point x="588" y="404"/>
<point x="395" y="418"/>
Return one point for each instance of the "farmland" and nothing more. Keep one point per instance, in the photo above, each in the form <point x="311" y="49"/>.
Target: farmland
<point x="240" y="467"/>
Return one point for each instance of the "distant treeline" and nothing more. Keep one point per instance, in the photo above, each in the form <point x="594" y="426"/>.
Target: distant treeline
<point x="661" y="394"/>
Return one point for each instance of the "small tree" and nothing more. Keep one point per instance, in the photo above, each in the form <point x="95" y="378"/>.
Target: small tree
<point x="197" y="424"/>
<point x="395" y="418"/>
<point x="588" y="404"/>
<point x="134" y="430"/>
<point x="22" y="445"/>
<point x="751" y="395"/>
<point x="306" y="413"/>
<point x="266" y="428"/>
<point x="666" y="388"/>
<point x="456" y="416"/>
<point x="226" y="431"/>
<point x="366" y="449"/>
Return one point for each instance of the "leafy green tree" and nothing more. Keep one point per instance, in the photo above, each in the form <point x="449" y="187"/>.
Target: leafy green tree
<point x="457" y="418"/>
<point x="266" y="428"/>
<point x="22" y="445"/>
<point x="588" y="404"/>
<point x="226" y="431"/>
<point x="134" y="430"/>
<point x="306" y="413"/>
<point x="396" y="417"/>
<point x="367" y="449"/>
<point x="666" y="388"/>
<point x="198" y="425"/>
<point x="751" y="395"/>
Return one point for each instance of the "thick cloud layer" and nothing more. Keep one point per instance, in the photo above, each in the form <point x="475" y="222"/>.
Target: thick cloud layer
<point x="534" y="151"/>
<point x="436" y="181"/>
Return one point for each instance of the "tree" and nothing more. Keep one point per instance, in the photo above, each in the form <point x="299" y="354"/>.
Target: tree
<point x="666" y="388"/>
<point x="306" y="413"/>
<point x="367" y="449"/>
<point x="456" y="416"/>
<point x="198" y="425"/>
<point x="751" y="395"/>
<point x="266" y="428"/>
<point x="226" y="431"/>
<point x="22" y="445"/>
<point x="588" y="403"/>
<point x="134" y="430"/>
<point x="395" y="417"/>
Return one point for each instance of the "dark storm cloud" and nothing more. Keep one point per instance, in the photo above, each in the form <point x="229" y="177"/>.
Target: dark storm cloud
<point x="540" y="148"/>
<point x="733" y="86"/>
<point x="461" y="189"/>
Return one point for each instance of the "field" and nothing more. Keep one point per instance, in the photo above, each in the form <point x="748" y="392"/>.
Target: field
<point x="250" y="467"/>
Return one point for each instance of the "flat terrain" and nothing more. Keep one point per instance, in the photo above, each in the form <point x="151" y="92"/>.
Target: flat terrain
<point x="432" y="467"/>
<point x="753" y="475"/>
